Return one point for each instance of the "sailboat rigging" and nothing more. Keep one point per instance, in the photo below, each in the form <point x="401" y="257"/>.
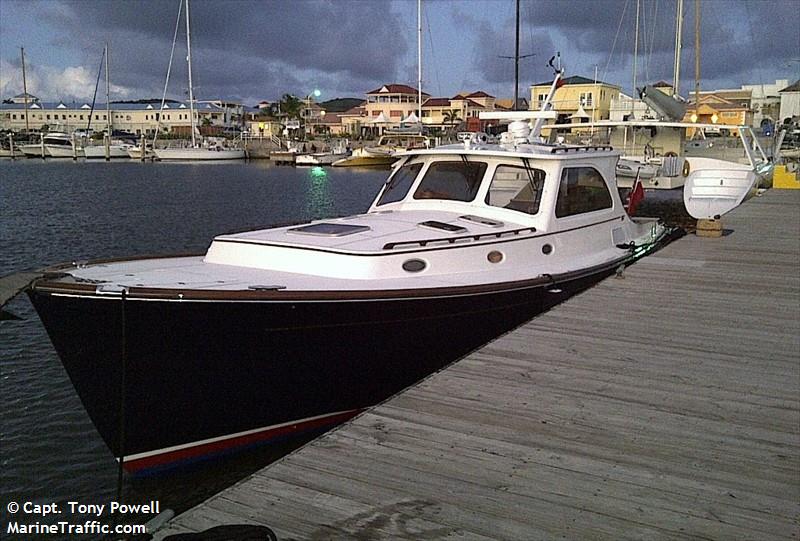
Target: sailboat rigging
<point x="197" y="151"/>
<point x="109" y="149"/>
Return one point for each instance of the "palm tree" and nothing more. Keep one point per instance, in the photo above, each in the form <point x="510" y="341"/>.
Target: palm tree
<point x="291" y="106"/>
<point x="451" y="117"/>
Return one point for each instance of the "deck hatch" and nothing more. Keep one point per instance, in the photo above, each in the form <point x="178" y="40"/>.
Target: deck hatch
<point x="481" y="220"/>
<point x="442" y="226"/>
<point x="326" y="229"/>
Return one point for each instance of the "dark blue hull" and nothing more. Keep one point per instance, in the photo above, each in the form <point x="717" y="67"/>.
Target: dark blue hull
<point x="205" y="375"/>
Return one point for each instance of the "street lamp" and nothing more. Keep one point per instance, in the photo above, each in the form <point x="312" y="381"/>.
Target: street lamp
<point x="313" y="94"/>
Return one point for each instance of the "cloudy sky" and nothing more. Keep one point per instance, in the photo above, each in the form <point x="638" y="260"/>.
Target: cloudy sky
<point x="251" y="50"/>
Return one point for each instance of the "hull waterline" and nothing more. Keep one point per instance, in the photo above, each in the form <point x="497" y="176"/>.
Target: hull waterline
<point x="207" y="376"/>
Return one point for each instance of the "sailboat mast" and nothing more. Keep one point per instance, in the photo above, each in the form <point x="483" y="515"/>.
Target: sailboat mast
<point x="697" y="58"/>
<point x="25" y="89"/>
<point x="678" y="42"/>
<point x="516" y="62"/>
<point x="419" y="61"/>
<point x="108" y="103"/>
<point x="635" y="57"/>
<point x="189" y="61"/>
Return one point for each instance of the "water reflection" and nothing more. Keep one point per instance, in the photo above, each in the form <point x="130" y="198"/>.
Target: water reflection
<point x="319" y="201"/>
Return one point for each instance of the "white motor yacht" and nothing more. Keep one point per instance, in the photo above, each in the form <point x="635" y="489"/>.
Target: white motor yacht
<point x="53" y="145"/>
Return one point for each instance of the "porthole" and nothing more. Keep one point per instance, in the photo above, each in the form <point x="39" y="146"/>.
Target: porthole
<point x="495" y="257"/>
<point x="414" y="265"/>
<point x="547" y="249"/>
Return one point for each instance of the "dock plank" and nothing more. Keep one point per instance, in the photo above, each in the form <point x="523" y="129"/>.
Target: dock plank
<point x="663" y="404"/>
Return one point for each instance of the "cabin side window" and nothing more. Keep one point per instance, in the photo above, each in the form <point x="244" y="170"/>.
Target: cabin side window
<point x="452" y="180"/>
<point x="516" y="188"/>
<point x="582" y="189"/>
<point x="398" y="184"/>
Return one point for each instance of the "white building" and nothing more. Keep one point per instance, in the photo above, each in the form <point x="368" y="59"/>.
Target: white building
<point x="134" y="118"/>
<point x="765" y="100"/>
<point x="790" y="101"/>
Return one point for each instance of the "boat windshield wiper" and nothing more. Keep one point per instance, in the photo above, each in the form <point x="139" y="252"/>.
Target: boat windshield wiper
<point x="531" y="182"/>
<point x="467" y="172"/>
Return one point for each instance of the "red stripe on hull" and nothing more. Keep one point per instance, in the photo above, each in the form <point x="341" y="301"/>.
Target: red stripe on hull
<point x="199" y="451"/>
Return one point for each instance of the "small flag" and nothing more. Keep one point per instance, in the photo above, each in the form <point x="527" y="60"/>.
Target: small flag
<point x="636" y="195"/>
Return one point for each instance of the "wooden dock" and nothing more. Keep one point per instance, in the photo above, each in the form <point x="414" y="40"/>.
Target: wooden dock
<point x="664" y="404"/>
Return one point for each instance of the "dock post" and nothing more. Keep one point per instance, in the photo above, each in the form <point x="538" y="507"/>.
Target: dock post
<point x="107" y="144"/>
<point x="74" y="148"/>
<point x="11" y="145"/>
<point x="710" y="228"/>
<point x="41" y="142"/>
<point x="143" y="147"/>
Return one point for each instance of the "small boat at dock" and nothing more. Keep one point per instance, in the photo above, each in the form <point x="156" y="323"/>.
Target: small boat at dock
<point x="214" y="151"/>
<point x="116" y="149"/>
<point x="383" y="153"/>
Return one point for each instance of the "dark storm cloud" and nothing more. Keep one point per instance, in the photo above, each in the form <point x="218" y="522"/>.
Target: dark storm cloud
<point x="747" y="43"/>
<point x="496" y="44"/>
<point x="257" y="48"/>
<point x="744" y="40"/>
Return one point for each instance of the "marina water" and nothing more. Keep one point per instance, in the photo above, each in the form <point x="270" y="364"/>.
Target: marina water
<point x="59" y="211"/>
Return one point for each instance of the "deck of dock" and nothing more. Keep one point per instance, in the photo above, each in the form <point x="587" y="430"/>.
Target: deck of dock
<point x="663" y="404"/>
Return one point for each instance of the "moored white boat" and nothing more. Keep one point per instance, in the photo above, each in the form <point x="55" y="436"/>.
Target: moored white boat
<point x="318" y="158"/>
<point x="199" y="153"/>
<point x="383" y="153"/>
<point x="209" y="149"/>
<point x="117" y="149"/>
<point x="714" y="187"/>
<point x="53" y="145"/>
<point x="136" y="152"/>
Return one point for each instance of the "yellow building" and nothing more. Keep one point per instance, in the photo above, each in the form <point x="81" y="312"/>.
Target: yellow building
<point x="445" y="113"/>
<point x="396" y="102"/>
<point x="717" y="108"/>
<point x="260" y="126"/>
<point x="576" y="96"/>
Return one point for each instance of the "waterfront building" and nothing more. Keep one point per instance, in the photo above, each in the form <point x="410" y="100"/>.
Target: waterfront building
<point x="790" y="101"/>
<point x="462" y="110"/>
<point x="259" y="123"/>
<point x="353" y="120"/>
<point x="394" y="101"/>
<point x="138" y="118"/>
<point x="766" y="100"/>
<point x="575" y="94"/>
<point x="721" y="107"/>
<point x="507" y="104"/>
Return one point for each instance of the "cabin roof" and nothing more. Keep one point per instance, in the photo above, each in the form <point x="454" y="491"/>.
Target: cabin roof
<point x="576" y="80"/>
<point x="530" y="151"/>
<point x="396" y="89"/>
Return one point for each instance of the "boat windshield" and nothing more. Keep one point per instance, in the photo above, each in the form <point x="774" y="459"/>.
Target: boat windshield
<point x="399" y="183"/>
<point x="452" y="180"/>
<point x="516" y="188"/>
